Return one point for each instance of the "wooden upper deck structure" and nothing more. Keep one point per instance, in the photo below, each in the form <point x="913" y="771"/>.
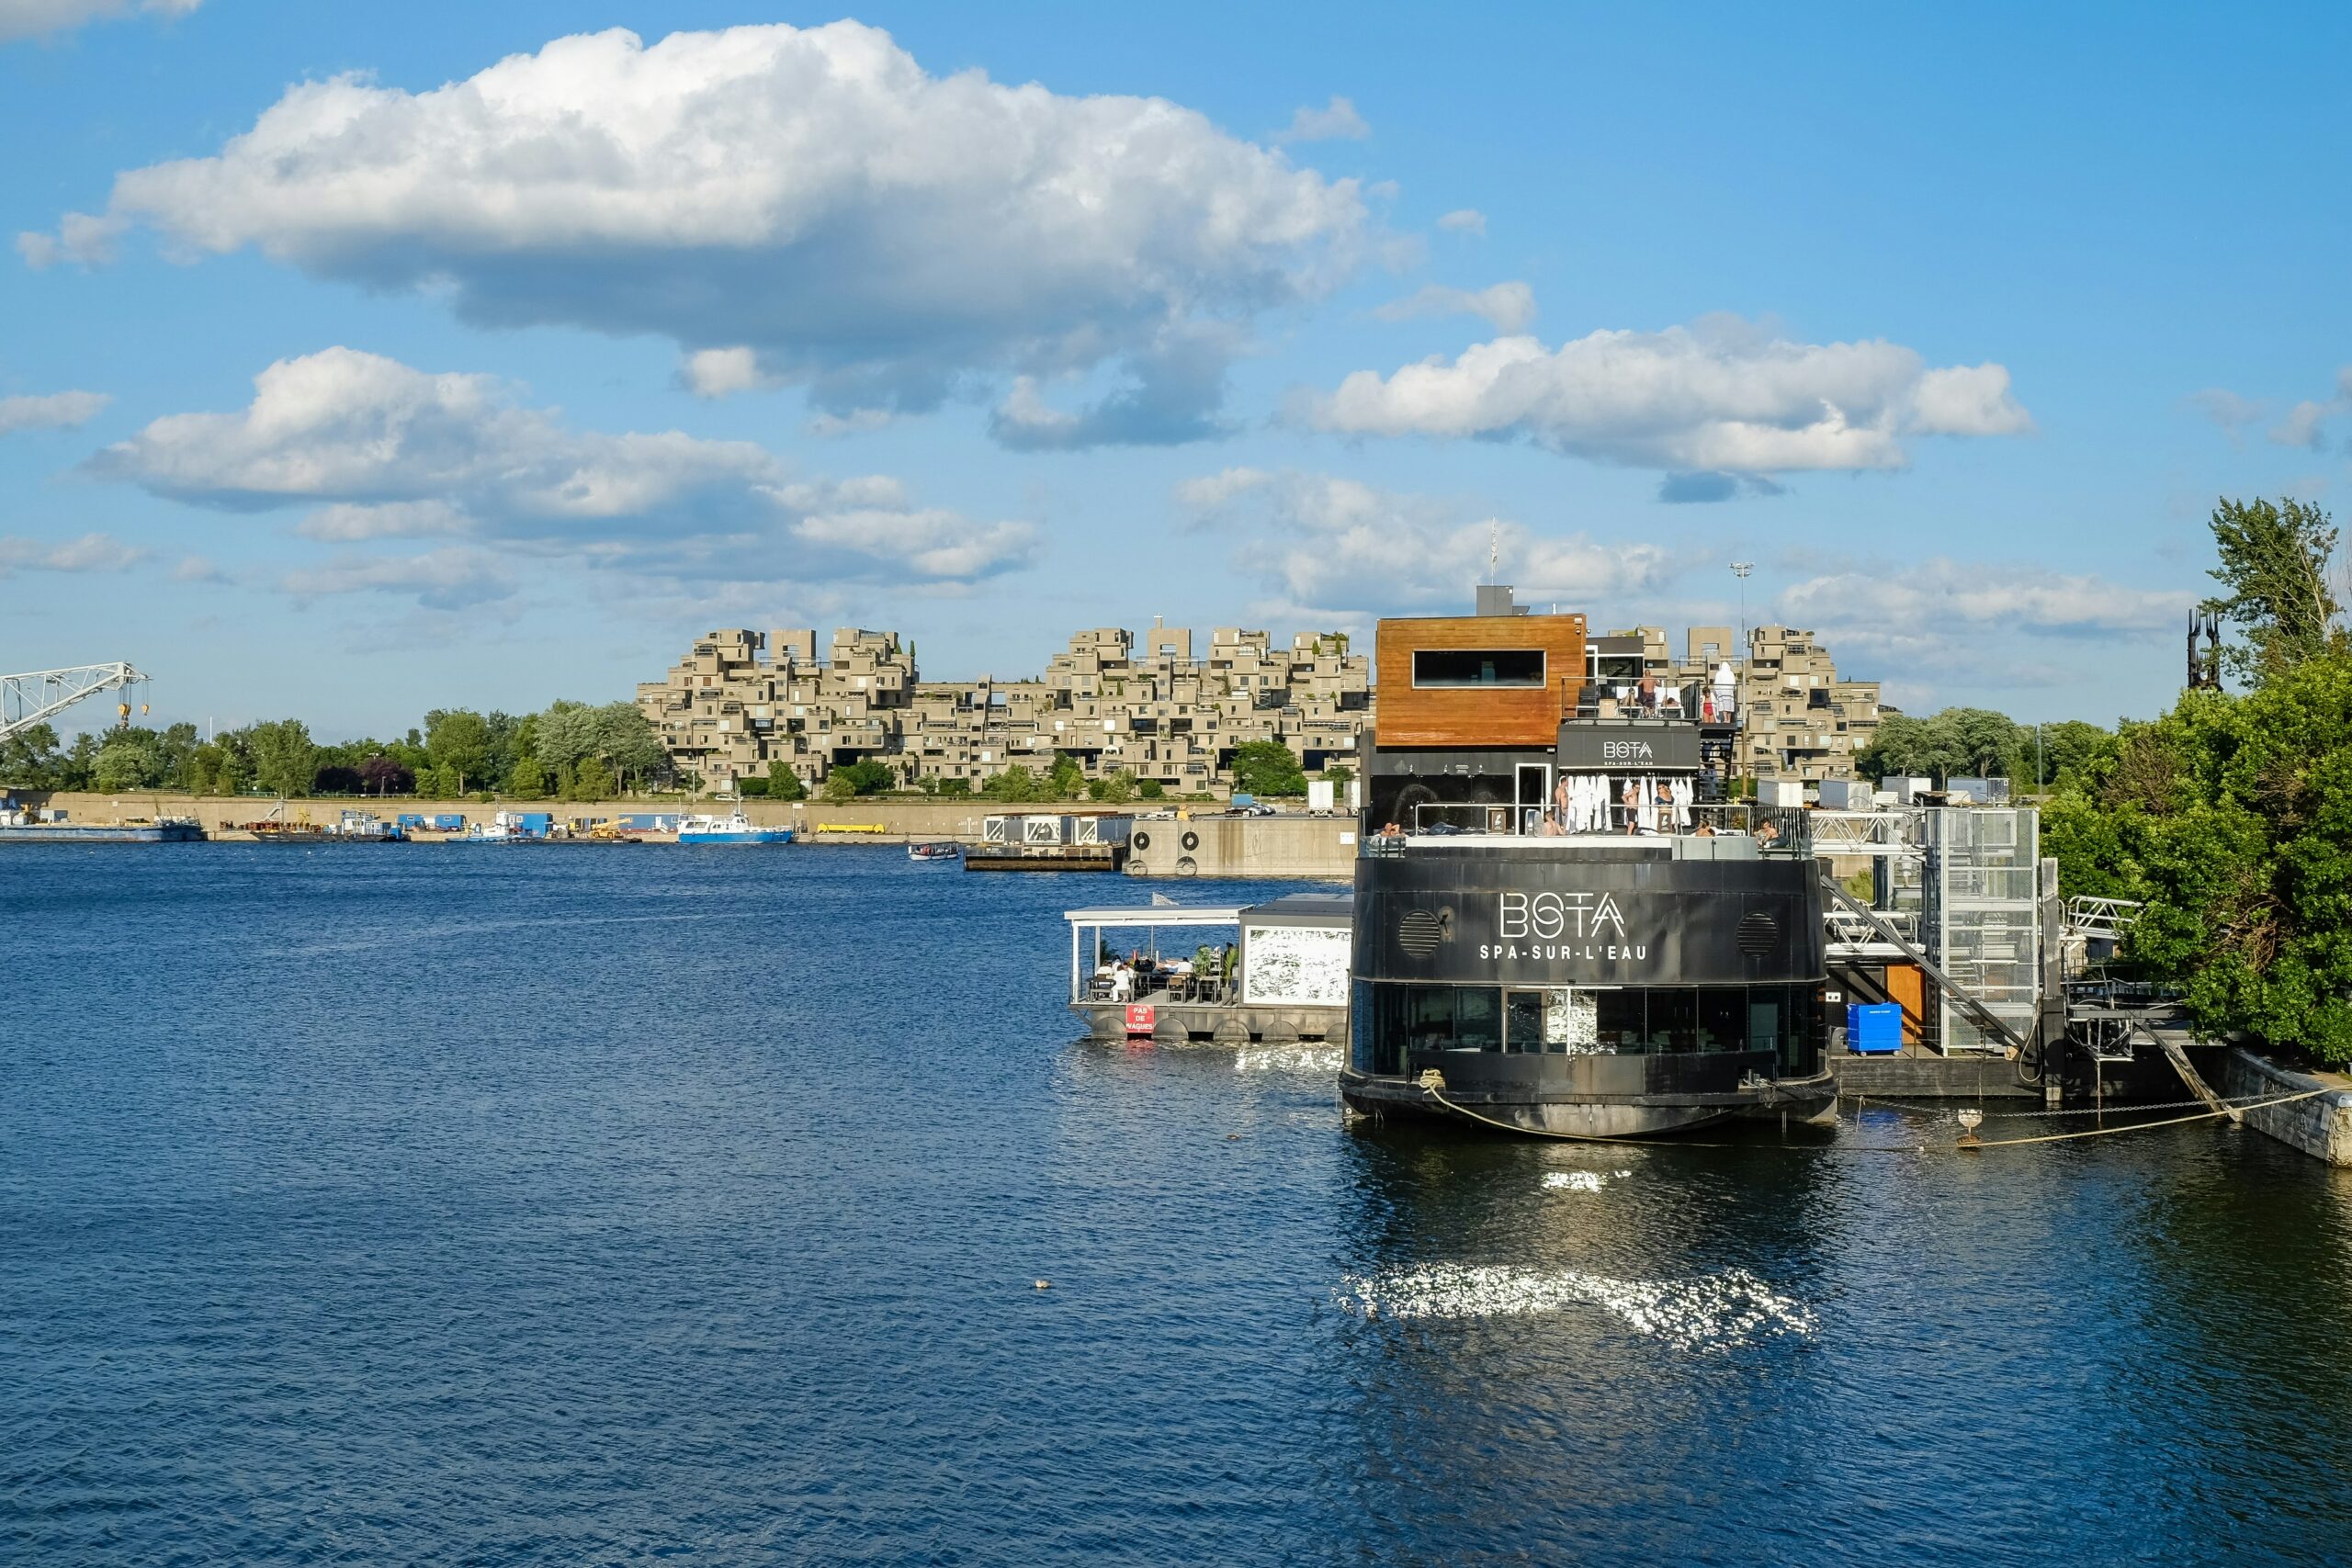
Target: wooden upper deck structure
<point x="1505" y="678"/>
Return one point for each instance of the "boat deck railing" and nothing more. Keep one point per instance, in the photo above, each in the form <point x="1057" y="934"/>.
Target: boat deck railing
<point x="1166" y="990"/>
<point x="1775" y="830"/>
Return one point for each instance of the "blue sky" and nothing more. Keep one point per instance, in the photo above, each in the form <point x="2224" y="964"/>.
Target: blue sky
<point x="995" y="323"/>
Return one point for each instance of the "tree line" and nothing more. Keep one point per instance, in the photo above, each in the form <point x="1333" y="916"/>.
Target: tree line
<point x="2231" y="816"/>
<point x="570" y="750"/>
<point x="1260" y="767"/>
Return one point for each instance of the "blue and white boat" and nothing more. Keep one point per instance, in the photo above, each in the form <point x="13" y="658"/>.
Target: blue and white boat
<point x="735" y="830"/>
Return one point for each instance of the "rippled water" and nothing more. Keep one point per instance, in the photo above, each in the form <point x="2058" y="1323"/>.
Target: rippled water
<point x="422" y="1204"/>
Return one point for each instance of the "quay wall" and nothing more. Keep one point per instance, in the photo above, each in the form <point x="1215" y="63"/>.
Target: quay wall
<point x="1244" y="847"/>
<point x="1292" y="845"/>
<point x="2320" y="1126"/>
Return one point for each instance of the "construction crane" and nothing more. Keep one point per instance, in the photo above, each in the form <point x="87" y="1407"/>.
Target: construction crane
<point x="29" y="699"/>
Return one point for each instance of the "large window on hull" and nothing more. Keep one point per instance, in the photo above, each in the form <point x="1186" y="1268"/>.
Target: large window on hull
<point x="1478" y="667"/>
<point x="1390" y="1019"/>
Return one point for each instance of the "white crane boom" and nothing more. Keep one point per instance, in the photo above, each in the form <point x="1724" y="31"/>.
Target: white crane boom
<point x="28" y="699"/>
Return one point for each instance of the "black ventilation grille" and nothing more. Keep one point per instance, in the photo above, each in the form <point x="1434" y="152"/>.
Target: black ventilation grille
<point x="1419" y="932"/>
<point x="1758" y="935"/>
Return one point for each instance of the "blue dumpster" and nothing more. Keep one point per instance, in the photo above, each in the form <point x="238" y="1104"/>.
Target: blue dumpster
<point x="1873" y="1028"/>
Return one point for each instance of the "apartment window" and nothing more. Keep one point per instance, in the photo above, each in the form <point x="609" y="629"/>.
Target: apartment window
<point x="1454" y="667"/>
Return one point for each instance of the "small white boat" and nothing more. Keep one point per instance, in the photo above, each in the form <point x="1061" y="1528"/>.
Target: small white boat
<point x="945" y="851"/>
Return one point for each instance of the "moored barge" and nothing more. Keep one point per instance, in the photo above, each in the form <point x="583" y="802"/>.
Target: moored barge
<point x="1560" y="928"/>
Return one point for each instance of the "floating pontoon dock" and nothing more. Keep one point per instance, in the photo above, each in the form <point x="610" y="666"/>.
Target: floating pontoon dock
<point x="1288" y="979"/>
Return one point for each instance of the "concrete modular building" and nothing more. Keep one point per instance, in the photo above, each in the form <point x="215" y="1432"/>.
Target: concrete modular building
<point x="1800" y="720"/>
<point x="743" y="703"/>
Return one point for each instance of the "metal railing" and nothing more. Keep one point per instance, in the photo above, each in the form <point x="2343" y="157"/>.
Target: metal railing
<point x="2101" y="920"/>
<point x="1777" y="829"/>
<point x="1696" y="702"/>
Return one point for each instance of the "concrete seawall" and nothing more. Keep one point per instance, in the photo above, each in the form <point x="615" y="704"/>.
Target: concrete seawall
<point x="1283" y="846"/>
<point x="1322" y="846"/>
<point x="2320" y="1126"/>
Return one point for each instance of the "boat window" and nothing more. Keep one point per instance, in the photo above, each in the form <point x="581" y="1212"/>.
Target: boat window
<point x="1721" y="1026"/>
<point x="1674" y="1019"/>
<point x="1523" y="1022"/>
<point x="1478" y="667"/>
<point x="1478" y="1019"/>
<point x="1618" y="1022"/>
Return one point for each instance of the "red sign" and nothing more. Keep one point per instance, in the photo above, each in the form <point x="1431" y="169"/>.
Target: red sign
<point x="1142" y="1017"/>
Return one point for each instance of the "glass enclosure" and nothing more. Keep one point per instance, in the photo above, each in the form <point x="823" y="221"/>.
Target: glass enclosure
<point x="1390" y="1019"/>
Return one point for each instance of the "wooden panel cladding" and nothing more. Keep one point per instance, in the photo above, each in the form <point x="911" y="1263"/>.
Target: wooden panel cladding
<point x="1472" y="714"/>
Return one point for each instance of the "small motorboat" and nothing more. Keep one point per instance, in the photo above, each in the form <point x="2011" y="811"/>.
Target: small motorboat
<point x="946" y="850"/>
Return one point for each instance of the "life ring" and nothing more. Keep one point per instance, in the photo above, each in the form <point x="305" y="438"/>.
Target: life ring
<point x="1191" y="841"/>
<point x="1142" y="840"/>
<point x="1187" y="867"/>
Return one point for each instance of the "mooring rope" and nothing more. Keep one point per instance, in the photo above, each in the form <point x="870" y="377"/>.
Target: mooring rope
<point x="1967" y="1145"/>
<point x="1867" y="1103"/>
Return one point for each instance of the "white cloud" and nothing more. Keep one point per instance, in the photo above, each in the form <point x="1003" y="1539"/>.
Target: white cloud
<point x="1506" y="307"/>
<point x="722" y="372"/>
<point x="351" y="522"/>
<point x="1335" y="547"/>
<point x="1335" y="121"/>
<point x="456" y="577"/>
<point x="37" y="18"/>
<point x="91" y="552"/>
<point x="854" y="422"/>
<point x="1942" y="611"/>
<point x="884" y="236"/>
<point x="384" y="451"/>
<point x="2226" y="409"/>
<point x="937" y="545"/>
<point x="1967" y="400"/>
<point x="1721" y="395"/>
<point x="1464" y="220"/>
<point x="49" y="411"/>
<point x="196" y="568"/>
<point x="2305" y="426"/>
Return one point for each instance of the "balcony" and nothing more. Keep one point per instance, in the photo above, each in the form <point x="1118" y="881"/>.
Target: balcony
<point x="1695" y="702"/>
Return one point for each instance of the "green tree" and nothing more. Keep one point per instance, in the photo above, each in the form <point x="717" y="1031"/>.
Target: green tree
<point x="220" y="767"/>
<point x="955" y="789"/>
<point x="1957" y="742"/>
<point x="563" y="733"/>
<point x="865" y="776"/>
<point x="128" y="758"/>
<point x="527" y="780"/>
<point x="1267" y="768"/>
<point x="594" y="781"/>
<point x="1068" y="777"/>
<point x="1116" y="788"/>
<point x="80" y="763"/>
<point x="508" y="738"/>
<point x="284" y="758"/>
<point x="1015" y="784"/>
<point x="626" y="740"/>
<point x="459" y="740"/>
<point x="2274" y="564"/>
<point x="783" y="784"/>
<point x="1151" y="789"/>
<point x="29" y="758"/>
